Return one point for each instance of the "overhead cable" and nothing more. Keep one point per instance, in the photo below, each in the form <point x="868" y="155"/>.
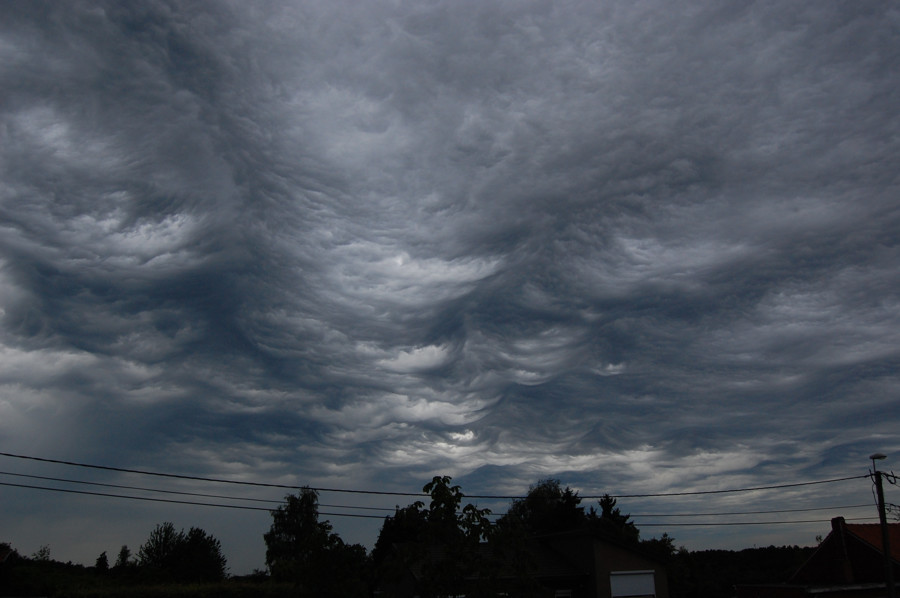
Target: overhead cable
<point x="732" y="490"/>
<point x="205" y="479"/>
<point x="731" y="513"/>
<point x="123" y="487"/>
<point x="730" y="523"/>
<point x="179" y="492"/>
<point x="355" y="515"/>
<point x="169" y="500"/>
<point x="387" y="493"/>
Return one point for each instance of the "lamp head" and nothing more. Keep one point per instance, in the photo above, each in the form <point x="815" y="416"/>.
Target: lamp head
<point x="877" y="456"/>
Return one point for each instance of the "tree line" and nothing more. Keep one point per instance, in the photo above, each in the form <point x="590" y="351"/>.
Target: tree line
<point x="441" y="540"/>
<point x="445" y="541"/>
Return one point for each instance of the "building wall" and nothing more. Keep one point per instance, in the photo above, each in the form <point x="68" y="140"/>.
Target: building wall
<point x="609" y="558"/>
<point x="600" y="558"/>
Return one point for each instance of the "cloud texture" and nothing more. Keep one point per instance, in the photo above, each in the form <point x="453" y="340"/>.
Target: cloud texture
<point x="642" y="247"/>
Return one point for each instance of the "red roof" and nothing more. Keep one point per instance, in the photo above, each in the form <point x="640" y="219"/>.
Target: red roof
<point x="871" y="533"/>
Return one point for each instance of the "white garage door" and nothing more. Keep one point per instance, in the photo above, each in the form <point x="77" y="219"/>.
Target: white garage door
<point x="632" y="583"/>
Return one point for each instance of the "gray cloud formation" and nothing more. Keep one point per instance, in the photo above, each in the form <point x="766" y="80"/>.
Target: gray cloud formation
<point x="639" y="246"/>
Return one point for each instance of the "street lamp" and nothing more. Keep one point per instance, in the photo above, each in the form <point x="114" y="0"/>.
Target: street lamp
<point x="885" y="538"/>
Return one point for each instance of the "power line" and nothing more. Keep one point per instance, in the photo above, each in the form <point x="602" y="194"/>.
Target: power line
<point x="181" y="493"/>
<point x="205" y="479"/>
<point x="172" y="501"/>
<point x="355" y="515"/>
<point x="840" y="507"/>
<point x="385" y="509"/>
<point x="419" y="494"/>
<point x="731" y="490"/>
<point x="146" y="498"/>
<point x="738" y="523"/>
<point x="249" y="508"/>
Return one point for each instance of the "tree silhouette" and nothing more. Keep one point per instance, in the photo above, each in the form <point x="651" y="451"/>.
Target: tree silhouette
<point x="199" y="557"/>
<point x="159" y="550"/>
<point x="102" y="563"/>
<point x="441" y="542"/>
<point x="615" y="523"/>
<point x="124" y="558"/>
<point x="171" y="554"/>
<point x="404" y="526"/>
<point x="547" y="508"/>
<point x="297" y="539"/>
<point x="303" y="550"/>
<point x="42" y="553"/>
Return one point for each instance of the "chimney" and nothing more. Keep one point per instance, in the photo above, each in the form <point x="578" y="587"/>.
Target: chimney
<point x="846" y="567"/>
<point x="837" y="525"/>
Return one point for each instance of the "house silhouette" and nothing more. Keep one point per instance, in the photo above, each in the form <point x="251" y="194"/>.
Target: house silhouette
<point x="579" y="563"/>
<point x="849" y="563"/>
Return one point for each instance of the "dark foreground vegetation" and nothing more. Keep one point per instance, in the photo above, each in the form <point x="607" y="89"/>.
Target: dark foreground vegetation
<point x="305" y="558"/>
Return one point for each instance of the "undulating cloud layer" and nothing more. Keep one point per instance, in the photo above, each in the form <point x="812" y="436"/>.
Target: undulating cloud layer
<point x="639" y="246"/>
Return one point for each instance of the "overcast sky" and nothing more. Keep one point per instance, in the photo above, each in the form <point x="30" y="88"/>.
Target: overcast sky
<point x="641" y="247"/>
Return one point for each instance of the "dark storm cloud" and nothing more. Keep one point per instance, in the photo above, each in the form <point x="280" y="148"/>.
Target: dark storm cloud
<point x="641" y="247"/>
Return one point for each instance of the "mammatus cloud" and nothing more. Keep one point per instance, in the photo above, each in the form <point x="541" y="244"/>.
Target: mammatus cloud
<point x="636" y="247"/>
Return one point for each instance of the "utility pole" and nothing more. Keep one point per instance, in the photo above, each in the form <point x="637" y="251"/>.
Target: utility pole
<point x="885" y="536"/>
